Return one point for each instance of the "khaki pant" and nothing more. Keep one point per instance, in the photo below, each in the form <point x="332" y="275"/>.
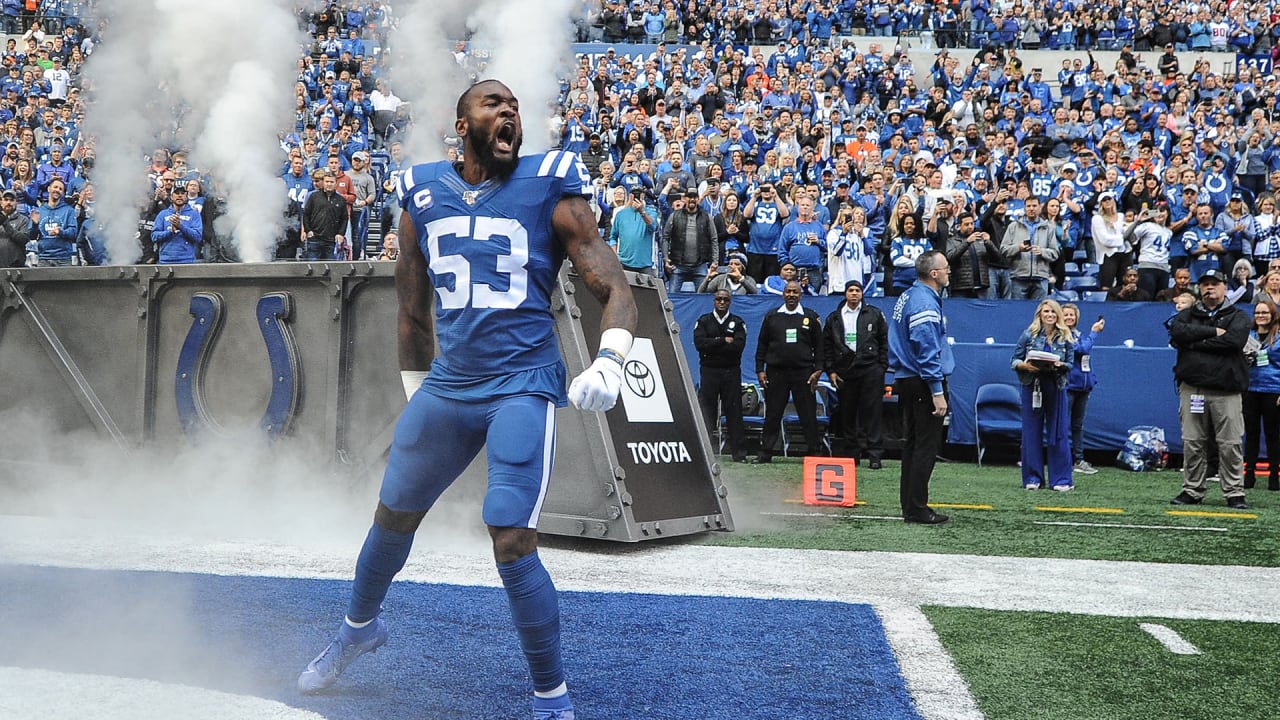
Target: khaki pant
<point x="1223" y="421"/>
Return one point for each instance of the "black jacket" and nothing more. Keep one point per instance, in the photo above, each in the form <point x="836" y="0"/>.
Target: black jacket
<point x="324" y="216"/>
<point x="673" y="239"/>
<point x="708" y="338"/>
<point x="873" y="343"/>
<point x="773" y="350"/>
<point x="15" y="232"/>
<point x="1206" y="359"/>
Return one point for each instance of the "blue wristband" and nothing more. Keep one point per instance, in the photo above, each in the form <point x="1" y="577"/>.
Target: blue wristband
<point x="612" y="355"/>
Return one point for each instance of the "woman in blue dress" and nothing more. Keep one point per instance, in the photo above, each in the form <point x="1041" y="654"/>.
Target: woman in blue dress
<point x="1042" y="358"/>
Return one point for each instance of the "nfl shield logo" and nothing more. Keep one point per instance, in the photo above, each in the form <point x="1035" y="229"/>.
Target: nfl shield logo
<point x="469" y="197"/>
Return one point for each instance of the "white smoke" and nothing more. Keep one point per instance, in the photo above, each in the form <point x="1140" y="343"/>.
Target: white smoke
<point x="122" y="129"/>
<point x="522" y="44"/>
<point x="231" y="80"/>
<point x="425" y="74"/>
<point x="530" y="45"/>
<point x="227" y="68"/>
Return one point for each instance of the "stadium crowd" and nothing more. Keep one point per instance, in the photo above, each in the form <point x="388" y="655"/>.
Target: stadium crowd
<point x="1032" y="180"/>
<point x="818" y="151"/>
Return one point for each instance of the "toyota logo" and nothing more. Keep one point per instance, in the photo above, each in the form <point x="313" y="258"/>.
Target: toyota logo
<point x="639" y="378"/>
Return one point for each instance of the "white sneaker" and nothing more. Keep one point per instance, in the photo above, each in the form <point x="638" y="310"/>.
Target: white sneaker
<point x="1031" y="486"/>
<point x="1084" y="468"/>
<point x="1064" y="488"/>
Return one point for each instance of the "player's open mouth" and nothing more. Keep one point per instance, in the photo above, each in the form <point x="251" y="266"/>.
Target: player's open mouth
<point x="505" y="138"/>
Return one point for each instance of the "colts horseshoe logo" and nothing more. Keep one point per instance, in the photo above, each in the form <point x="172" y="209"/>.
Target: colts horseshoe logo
<point x="274" y="309"/>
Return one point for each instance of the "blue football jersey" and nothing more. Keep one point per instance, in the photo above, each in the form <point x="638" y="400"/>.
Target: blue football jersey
<point x="493" y="260"/>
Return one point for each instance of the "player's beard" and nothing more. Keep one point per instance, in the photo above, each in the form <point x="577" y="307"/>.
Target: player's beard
<point x="498" y="167"/>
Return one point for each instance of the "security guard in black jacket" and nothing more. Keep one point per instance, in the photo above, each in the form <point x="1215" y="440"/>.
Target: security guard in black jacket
<point x="856" y="344"/>
<point x="720" y="337"/>
<point x="788" y="365"/>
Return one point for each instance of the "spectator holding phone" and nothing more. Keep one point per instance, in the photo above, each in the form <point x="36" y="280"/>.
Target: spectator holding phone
<point x="802" y="242"/>
<point x="1031" y="246"/>
<point x="631" y="233"/>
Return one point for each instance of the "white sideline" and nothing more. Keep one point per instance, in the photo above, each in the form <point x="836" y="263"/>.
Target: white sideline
<point x="1090" y="587"/>
<point x="1170" y="638"/>
<point x="36" y="693"/>
<point x="936" y="686"/>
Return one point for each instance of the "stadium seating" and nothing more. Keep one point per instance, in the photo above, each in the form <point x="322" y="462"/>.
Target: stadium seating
<point x="1081" y="283"/>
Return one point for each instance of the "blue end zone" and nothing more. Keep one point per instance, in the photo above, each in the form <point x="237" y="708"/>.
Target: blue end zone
<point x="452" y="651"/>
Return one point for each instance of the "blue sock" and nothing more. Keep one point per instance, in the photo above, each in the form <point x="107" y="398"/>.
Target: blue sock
<point x="382" y="556"/>
<point x="535" y="609"/>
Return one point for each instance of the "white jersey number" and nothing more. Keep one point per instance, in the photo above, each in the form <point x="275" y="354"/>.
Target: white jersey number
<point x="479" y="295"/>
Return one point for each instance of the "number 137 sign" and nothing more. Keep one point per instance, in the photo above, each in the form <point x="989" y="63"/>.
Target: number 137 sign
<point x="1261" y="63"/>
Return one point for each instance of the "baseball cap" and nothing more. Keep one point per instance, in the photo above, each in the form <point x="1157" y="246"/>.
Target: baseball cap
<point x="1237" y="195"/>
<point x="8" y="195"/>
<point x="691" y="192"/>
<point x="1212" y="276"/>
<point x="1190" y="188"/>
<point x="1069" y="166"/>
<point x="180" y="187"/>
<point x="360" y="155"/>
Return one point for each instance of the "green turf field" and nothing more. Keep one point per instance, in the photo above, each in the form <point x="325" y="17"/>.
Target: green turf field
<point x="1047" y="666"/>
<point x="766" y="509"/>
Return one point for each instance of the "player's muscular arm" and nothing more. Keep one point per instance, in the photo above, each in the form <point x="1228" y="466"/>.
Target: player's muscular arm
<point x="417" y="338"/>
<point x="596" y="388"/>
<point x="594" y="262"/>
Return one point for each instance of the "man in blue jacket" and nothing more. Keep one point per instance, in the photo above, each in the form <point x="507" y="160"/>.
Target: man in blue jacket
<point x="921" y="360"/>
<point x="58" y="227"/>
<point x="178" y="230"/>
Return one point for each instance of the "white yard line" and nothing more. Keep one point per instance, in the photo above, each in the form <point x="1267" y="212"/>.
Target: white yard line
<point x="939" y="691"/>
<point x="1170" y="638"/>
<point x="834" y="516"/>
<point x="1132" y="527"/>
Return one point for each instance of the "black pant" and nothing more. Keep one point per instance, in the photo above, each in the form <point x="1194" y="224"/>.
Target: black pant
<point x="784" y="384"/>
<point x="1112" y="267"/>
<point x="923" y="435"/>
<point x="861" y="396"/>
<point x="720" y="392"/>
<point x="762" y="265"/>
<point x="1261" y="420"/>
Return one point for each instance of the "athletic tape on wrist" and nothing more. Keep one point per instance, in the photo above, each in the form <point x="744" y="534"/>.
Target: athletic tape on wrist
<point x="617" y="341"/>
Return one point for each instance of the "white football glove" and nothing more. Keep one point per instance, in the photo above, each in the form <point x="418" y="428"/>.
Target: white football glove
<point x="412" y="380"/>
<point x="597" y="388"/>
